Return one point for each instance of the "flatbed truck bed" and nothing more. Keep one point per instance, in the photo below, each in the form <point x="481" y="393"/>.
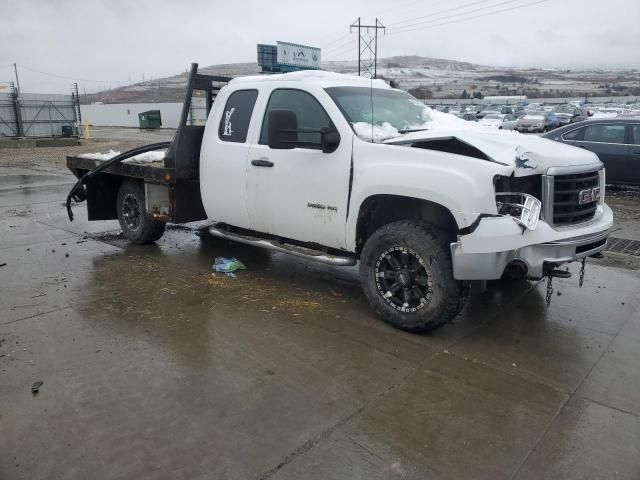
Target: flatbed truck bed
<point x="171" y="186"/>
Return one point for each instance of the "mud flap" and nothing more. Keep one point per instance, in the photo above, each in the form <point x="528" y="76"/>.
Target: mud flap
<point x="158" y="201"/>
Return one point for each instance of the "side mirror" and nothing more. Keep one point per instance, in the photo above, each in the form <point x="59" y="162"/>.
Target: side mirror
<point x="283" y="133"/>
<point x="330" y="140"/>
<point x="283" y="129"/>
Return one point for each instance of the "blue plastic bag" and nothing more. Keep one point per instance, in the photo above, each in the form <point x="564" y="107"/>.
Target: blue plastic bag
<point x="228" y="265"/>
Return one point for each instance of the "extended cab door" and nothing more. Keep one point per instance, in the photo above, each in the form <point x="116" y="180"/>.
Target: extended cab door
<point x="301" y="193"/>
<point x="223" y="157"/>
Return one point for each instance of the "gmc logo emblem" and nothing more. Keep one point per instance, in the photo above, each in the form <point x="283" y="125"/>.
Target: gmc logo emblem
<point x="589" y="195"/>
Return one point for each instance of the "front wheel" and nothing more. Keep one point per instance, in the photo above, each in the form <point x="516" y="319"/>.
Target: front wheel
<point x="137" y="225"/>
<point x="407" y="276"/>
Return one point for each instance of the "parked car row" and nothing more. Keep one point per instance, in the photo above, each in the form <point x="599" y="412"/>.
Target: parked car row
<point x="565" y="113"/>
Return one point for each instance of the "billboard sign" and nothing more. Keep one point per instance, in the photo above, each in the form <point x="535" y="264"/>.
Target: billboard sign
<point x="296" y="55"/>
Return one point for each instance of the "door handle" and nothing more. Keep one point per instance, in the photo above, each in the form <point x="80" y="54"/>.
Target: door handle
<point x="262" y="162"/>
<point x="636" y="152"/>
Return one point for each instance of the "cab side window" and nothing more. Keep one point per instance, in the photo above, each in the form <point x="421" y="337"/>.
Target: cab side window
<point x="635" y="134"/>
<point x="234" y="124"/>
<point x="575" y="135"/>
<point x="308" y="110"/>
<point x="604" y="133"/>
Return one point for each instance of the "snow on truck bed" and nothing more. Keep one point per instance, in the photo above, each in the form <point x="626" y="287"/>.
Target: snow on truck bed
<point x="154" y="158"/>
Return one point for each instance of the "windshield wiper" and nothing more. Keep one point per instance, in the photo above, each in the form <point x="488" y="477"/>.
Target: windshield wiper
<point x="411" y="130"/>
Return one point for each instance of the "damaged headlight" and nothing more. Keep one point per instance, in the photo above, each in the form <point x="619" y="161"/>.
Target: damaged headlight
<point x="522" y="207"/>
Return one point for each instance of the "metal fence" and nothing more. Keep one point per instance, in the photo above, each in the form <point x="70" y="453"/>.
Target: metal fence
<point x="36" y="115"/>
<point x="8" y="123"/>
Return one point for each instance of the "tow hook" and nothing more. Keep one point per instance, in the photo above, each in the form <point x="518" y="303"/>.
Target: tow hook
<point x="550" y="272"/>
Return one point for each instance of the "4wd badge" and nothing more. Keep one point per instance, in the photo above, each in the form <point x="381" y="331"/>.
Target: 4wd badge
<point x="589" y="195"/>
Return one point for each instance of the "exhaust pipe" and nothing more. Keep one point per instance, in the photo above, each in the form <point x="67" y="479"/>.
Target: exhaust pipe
<point x="517" y="269"/>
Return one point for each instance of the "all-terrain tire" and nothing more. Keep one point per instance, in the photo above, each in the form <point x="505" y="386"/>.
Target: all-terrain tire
<point x="443" y="297"/>
<point x="137" y="225"/>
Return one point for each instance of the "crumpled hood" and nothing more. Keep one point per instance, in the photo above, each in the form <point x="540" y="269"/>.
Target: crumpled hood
<point x="527" y="154"/>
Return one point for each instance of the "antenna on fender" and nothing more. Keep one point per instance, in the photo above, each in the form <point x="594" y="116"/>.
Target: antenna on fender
<point x="371" y="98"/>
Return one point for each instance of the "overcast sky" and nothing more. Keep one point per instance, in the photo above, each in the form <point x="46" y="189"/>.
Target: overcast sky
<point x="102" y="42"/>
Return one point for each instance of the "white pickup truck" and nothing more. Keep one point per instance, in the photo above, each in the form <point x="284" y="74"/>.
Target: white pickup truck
<point x="341" y="169"/>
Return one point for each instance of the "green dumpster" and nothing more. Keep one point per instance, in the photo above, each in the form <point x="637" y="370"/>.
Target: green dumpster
<point x="150" y="120"/>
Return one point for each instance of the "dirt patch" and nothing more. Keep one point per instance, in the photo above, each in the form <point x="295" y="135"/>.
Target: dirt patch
<point x="55" y="157"/>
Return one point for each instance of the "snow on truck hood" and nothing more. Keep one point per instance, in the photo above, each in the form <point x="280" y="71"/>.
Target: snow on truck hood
<point x="527" y="154"/>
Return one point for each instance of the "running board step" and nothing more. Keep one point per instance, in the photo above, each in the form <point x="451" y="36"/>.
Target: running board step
<point x="311" y="254"/>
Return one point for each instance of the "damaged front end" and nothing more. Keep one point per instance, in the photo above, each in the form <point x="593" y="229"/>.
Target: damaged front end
<point x="542" y="222"/>
<point x="549" y="205"/>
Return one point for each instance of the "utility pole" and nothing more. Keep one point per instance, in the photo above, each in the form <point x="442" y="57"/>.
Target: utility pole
<point x="15" y="69"/>
<point x="76" y="96"/>
<point x="368" y="47"/>
<point x="16" y="105"/>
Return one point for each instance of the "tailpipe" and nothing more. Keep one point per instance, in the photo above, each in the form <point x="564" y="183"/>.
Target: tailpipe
<point x="517" y="269"/>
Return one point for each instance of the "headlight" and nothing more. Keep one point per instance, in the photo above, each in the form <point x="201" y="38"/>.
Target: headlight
<point x="522" y="207"/>
<point x="602" y="182"/>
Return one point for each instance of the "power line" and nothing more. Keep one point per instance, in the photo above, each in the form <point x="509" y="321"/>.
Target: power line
<point x="71" y="78"/>
<point x="330" y="51"/>
<point x="505" y="2"/>
<point x="439" y="12"/>
<point x="396" y="32"/>
<point x="336" y="40"/>
<point x="398" y="8"/>
<point x="353" y="45"/>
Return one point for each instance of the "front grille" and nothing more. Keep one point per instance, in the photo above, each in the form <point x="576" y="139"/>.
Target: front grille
<point x="566" y="196"/>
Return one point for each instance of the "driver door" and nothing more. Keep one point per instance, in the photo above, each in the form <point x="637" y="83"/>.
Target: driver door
<point x="299" y="193"/>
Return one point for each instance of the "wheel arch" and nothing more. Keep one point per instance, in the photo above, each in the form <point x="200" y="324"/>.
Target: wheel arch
<point x="380" y="209"/>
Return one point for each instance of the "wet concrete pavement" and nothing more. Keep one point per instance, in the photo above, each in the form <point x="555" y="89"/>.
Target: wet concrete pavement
<point x="153" y="368"/>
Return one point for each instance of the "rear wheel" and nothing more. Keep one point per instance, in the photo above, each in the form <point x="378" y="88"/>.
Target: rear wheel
<point x="407" y="276"/>
<point x="137" y="225"/>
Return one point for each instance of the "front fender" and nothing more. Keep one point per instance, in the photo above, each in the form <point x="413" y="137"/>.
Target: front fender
<point x="462" y="185"/>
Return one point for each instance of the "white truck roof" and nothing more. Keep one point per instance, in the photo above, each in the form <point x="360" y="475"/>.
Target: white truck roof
<point x="318" y="77"/>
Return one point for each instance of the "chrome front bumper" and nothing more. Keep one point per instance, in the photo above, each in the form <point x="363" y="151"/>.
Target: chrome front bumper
<point x="486" y="253"/>
<point x="491" y="266"/>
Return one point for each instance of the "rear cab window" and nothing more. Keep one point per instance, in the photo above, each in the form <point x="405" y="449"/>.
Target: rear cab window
<point x="234" y="124"/>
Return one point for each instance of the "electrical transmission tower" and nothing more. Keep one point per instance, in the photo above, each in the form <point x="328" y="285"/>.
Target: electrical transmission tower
<point x="367" y="47"/>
